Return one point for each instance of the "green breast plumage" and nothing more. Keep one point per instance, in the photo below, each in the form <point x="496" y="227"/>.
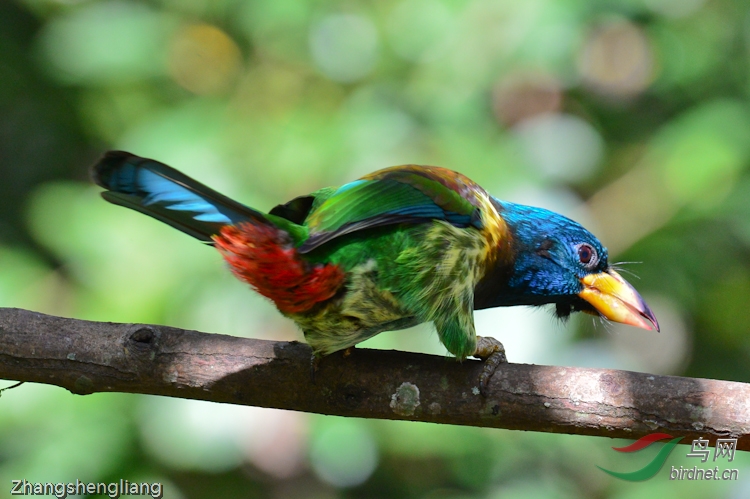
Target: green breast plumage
<point x="397" y="277"/>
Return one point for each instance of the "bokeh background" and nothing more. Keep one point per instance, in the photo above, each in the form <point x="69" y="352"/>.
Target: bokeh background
<point x="631" y="116"/>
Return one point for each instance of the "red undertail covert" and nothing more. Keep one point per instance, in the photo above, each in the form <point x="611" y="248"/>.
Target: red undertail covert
<point x="265" y="258"/>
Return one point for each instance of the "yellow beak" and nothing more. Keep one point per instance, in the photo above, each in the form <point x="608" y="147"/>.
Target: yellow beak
<point x="614" y="298"/>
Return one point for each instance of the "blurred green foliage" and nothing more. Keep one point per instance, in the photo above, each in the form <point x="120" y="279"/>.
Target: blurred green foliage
<point x="631" y="116"/>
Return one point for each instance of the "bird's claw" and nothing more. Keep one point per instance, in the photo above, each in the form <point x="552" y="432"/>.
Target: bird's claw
<point x="492" y="352"/>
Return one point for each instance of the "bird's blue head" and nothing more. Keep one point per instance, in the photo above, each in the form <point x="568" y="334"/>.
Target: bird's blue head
<point x="558" y="261"/>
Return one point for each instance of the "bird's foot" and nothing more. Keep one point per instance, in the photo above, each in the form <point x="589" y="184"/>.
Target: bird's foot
<point x="347" y="352"/>
<point x="492" y="352"/>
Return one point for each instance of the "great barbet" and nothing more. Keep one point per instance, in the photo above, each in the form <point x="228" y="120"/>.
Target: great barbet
<point x="398" y="247"/>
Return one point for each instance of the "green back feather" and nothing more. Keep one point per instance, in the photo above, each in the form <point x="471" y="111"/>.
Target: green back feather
<point x="399" y="195"/>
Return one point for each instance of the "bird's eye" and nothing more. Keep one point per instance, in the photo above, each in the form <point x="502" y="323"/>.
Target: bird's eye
<point x="587" y="255"/>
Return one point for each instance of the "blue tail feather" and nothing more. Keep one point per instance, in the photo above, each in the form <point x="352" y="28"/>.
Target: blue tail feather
<point x="164" y="193"/>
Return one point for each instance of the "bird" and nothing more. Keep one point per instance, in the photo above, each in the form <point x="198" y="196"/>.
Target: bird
<point x="398" y="247"/>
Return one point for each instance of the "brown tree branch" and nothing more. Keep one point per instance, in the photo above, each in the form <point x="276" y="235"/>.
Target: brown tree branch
<point x="87" y="357"/>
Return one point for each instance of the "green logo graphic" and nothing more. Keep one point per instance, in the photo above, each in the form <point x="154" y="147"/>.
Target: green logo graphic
<point x="652" y="468"/>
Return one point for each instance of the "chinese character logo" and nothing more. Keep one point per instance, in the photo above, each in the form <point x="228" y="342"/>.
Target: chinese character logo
<point x="700" y="449"/>
<point x="725" y="448"/>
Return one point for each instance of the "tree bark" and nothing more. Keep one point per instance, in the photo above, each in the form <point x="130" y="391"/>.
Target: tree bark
<point x="87" y="357"/>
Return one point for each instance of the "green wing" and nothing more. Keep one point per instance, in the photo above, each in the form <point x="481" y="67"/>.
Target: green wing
<point x="403" y="194"/>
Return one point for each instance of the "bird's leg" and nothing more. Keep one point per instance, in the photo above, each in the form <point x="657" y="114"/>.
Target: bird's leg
<point x="492" y="352"/>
